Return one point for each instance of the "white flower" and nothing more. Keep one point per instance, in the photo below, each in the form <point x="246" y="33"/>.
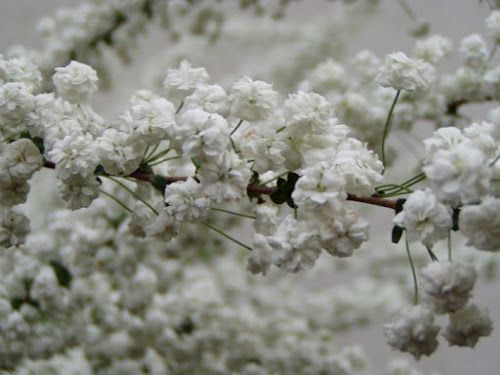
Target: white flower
<point x="434" y="49"/>
<point x="182" y="82"/>
<point x="23" y="158"/>
<point x="459" y="175"/>
<point x="210" y="98"/>
<point x="266" y="219"/>
<point x="474" y="51"/>
<point x="414" y="332"/>
<point x="259" y="259"/>
<point x="360" y="167"/>
<point x="342" y="233"/>
<point x="46" y="290"/>
<point x="424" y="218"/>
<point x="186" y="200"/>
<point x="467" y="325"/>
<point x="402" y="73"/>
<point x="319" y="185"/>
<point x="308" y="113"/>
<point x="75" y="82"/>
<point x="252" y="100"/>
<point x="226" y="177"/>
<point x="202" y="135"/>
<point x="74" y="155"/>
<point x="14" y="227"/>
<point x="480" y="223"/>
<point x="152" y="120"/>
<point x="21" y="69"/>
<point x="447" y="286"/>
<point x="79" y="191"/>
<point x="493" y="25"/>
<point x="295" y="246"/>
<point x="442" y="139"/>
<point x="327" y="76"/>
<point x="118" y="153"/>
<point x="16" y="101"/>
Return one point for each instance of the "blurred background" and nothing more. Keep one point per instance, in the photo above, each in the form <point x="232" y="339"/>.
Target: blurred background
<point x="384" y="31"/>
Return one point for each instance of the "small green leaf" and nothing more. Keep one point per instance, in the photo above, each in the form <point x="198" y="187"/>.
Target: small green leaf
<point x="159" y="183"/>
<point x="63" y="275"/>
<point x="455" y="216"/>
<point x="399" y="205"/>
<point x="16" y="302"/>
<point x="397" y="232"/>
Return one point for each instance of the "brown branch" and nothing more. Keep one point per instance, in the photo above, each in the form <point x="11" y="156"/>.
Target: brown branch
<point x="257" y="189"/>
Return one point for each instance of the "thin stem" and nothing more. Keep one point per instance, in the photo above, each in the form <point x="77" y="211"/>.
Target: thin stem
<point x="494" y="161"/>
<point x="164" y="160"/>
<point x="236" y="128"/>
<point x="449" y="246"/>
<point x="234" y="213"/>
<point x="275" y="178"/>
<point x="414" y="273"/>
<point x="134" y="194"/>
<point x="407" y="10"/>
<point x="433" y="256"/>
<point x="116" y="200"/>
<point x="233" y="145"/>
<point x="157" y="156"/>
<point x="226" y="235"/>
<point x="387" y="128"/>
<point x="146" y="157"/>
<point x="180" y="107"/>
<point x="12" y="136"/>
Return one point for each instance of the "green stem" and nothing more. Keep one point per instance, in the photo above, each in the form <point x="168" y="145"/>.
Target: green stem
<point x="431" y="254"/>
<point x="407" y="10"/>
<point x="233" y="213"/>
<point x="146" y="157"/>
<point x="157" y="156"/>
<point x="117" y="201"/>
<point x="134" y="194"/>
<point x="226" y="235"/>
<point x="414" y="273"/>
<point x="164" y="160"/>
<point x="180" y="107"/>
<point x="387" y="128"/>
<point x="12" y="136"/>
<point x="236" y="128"/>
<point x="494" y="161"/>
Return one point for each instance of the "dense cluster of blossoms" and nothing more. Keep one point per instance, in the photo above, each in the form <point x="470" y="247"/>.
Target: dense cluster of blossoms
<point x="114" y="283"/>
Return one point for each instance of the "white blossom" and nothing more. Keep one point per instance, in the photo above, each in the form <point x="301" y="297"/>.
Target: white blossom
<point x="182" y="82"/>
<point x="252" y="100"/>
<point x="493" y="25"/>
<point x="447" y="286"/>
<point x="308" y="112"/>
<point x="14" y="227"/>
<point x="459" y="174"/>
<point x="403" y="73"/>
<point x="79" y="191"/>
<point x="480" y="224"/>
<point x="474" y="52"/>
<point x="467" y="326"/>
<point x="342" y="233"/>
<point x="413" y="331"/>
<point x="22" y="158"/>
<point x="210" y="98"/>
<point x="75" y="154"/>
<point x="259" y="259"/>
<point x="424" y="218"/>
<point x="118" y="153"/>
<point x="186" y="200"/>
<point x="433" y="49"/>
<point x="75" y="82"/>
<point x="295" y="246"/>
